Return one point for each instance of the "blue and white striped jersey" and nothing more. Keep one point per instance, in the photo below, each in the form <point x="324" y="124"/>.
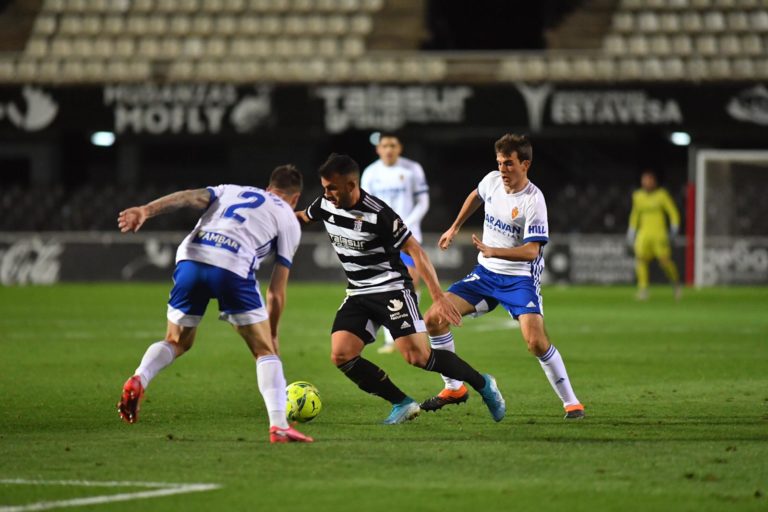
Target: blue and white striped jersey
<point x="240" y="228"/>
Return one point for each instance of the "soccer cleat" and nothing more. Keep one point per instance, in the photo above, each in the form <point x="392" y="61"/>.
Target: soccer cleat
<point x="128" y="406"/>
<point x="678" y="292"/>
<point x="287" y="435"/>
<point x="493" y="399"/>
<point x="642" y="294"/>
<point x="446" y="397"/>
<point x="574" y="412"/>
<point x="387" y="348"/>
<point x="402" y="412"/>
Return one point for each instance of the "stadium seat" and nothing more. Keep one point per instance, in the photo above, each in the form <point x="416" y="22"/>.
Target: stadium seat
<point x="45" y="25"/>
<point x="637" y="45"/>
<point x="113" y="25"/>
<point x="615" y="44"/>
<point x="37" y="47"/>
<point x="7" y="69"/>
<point x="124" y="47"/>
<point x="691" y="22"/>
<point x="659" y="45"/>
<point x="225" y="25"/>
<point x="623" y="22"/>
<point x="669" y="22"/>
<point x="706" y="45"/>
<point x="360" y="24"/>
<point x="682" y="45"/>
<point x="352" y="47"/>
<point x="648" y="22"/>
<point x="752" y="44"/>
<point x="714" y="21"/>
<point x="759" y="21"/>
<point x="737" y="21"/>
<point x="730" y="45"/>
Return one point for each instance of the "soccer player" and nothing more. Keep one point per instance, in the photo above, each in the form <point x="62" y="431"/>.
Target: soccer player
<point x="510" y="263"/>
<point x="238" y="228"/>
<point x="401" y="184"/>
<point x="649" y="234"/>
<point x="368" y="237"/>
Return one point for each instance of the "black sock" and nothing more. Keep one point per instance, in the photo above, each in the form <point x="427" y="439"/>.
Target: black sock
<point x="372" y="379"/>
<point x="451" y="365"/>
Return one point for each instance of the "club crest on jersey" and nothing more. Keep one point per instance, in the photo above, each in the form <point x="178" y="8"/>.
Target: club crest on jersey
<point x="515" y="212"/>
<point x="358" y="224"/>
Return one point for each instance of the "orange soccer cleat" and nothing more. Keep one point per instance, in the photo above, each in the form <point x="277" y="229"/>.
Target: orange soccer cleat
<point x="128" y="406"/>
<point x="287" y="435"/>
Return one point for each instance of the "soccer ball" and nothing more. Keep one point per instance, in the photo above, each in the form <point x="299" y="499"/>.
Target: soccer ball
<point x="303" y="402"/>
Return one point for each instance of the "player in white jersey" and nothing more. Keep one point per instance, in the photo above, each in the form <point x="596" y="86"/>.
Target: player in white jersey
<point x="401" y="184"/>
<point x="510" y="263"/>
<point x="239" y="227"/>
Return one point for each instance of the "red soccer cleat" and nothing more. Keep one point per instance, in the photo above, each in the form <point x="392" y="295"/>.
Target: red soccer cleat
<point x="128" y="406"/>
<point x="287" y="435"/>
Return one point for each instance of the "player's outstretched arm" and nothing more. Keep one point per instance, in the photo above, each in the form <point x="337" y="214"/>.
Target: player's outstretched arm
<point x="276" y="294"/>
<point x="131" y="219"/>
<point x="470" y="206"/>
<point x="526" y="252"/>
<point x="303" y="217"/>
<point x="444" y="308"/>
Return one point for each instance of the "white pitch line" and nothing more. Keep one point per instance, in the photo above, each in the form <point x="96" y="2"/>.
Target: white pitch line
<point x="161" y="489"/>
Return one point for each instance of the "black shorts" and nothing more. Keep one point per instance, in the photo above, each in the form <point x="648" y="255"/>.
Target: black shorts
<point x="362" y="315"/>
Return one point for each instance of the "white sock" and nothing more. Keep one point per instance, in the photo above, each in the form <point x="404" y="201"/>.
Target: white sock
<point x="554" y="369"/>
<point x="158" y="356"/>
<point x="269" y="374"/>
<point x="388" y="339"/>
<point x="445" y="342"/>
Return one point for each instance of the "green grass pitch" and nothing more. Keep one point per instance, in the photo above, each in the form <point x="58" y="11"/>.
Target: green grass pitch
<point x="676" y="397"/>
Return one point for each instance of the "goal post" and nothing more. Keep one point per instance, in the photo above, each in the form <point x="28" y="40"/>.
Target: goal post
<point x="730" y="235"/>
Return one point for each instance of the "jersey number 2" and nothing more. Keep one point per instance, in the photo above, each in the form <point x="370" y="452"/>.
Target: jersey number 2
<point x="257" y="201"/>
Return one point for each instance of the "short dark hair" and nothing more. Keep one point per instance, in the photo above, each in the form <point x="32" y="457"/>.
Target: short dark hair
<point x="286" y="178"/>
<point x="343" y="165"/>
<point x="510" y="143"/>
<point x="389" y="135"/>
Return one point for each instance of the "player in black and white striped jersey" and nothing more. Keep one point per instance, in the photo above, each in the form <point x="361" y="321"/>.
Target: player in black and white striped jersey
<point x="368" y="237"/>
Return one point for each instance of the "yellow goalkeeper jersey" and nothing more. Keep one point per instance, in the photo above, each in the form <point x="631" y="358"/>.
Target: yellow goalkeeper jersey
<point x="648" y="212"/>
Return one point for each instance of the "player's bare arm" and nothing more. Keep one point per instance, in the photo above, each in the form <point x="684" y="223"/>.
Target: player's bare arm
<point x="303" y="217"/>
<point x="526" y="252"/>
<point x="442" y="306"/>
<point x="470" y="206"/>
<point x="276" y="298"/>
<point x="131" y="219"/>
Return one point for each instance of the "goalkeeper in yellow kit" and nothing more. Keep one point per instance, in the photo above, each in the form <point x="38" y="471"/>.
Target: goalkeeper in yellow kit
<point x="649" y="231"/>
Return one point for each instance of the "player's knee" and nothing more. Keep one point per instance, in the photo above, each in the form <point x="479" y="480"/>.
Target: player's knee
<point x="434" y="323"/>
<point x="339" y="358"/>
<point x="537" y="344"/>
<point x="416" y="356"/>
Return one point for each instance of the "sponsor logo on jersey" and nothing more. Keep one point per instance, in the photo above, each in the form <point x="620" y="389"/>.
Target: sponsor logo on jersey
<point x="405" y="325"/>
<point x="515" y="212"/>
<point x="216" y="240"/>
<point x="395" y="305"/>
<point x="537" y="230"/>
<point x="501" y="226"/>
<point x="347" y="243"/>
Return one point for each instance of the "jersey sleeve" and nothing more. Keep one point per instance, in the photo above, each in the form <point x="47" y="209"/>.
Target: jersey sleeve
<point x="215" y="192"/>
<point x="313" y="210"/>
<point x="671" y="209"/>
<point x="634" y="214"/>
<point x="287" y="240"/>
<point x="483" y="186"/>
<point x="536" y="224"/>
<point x="365" y="179"/>
<point x="392" y="230"/>
<point x="420" y="185"/>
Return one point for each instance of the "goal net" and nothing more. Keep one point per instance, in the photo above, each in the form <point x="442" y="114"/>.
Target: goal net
<point x="731" y="227"/>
